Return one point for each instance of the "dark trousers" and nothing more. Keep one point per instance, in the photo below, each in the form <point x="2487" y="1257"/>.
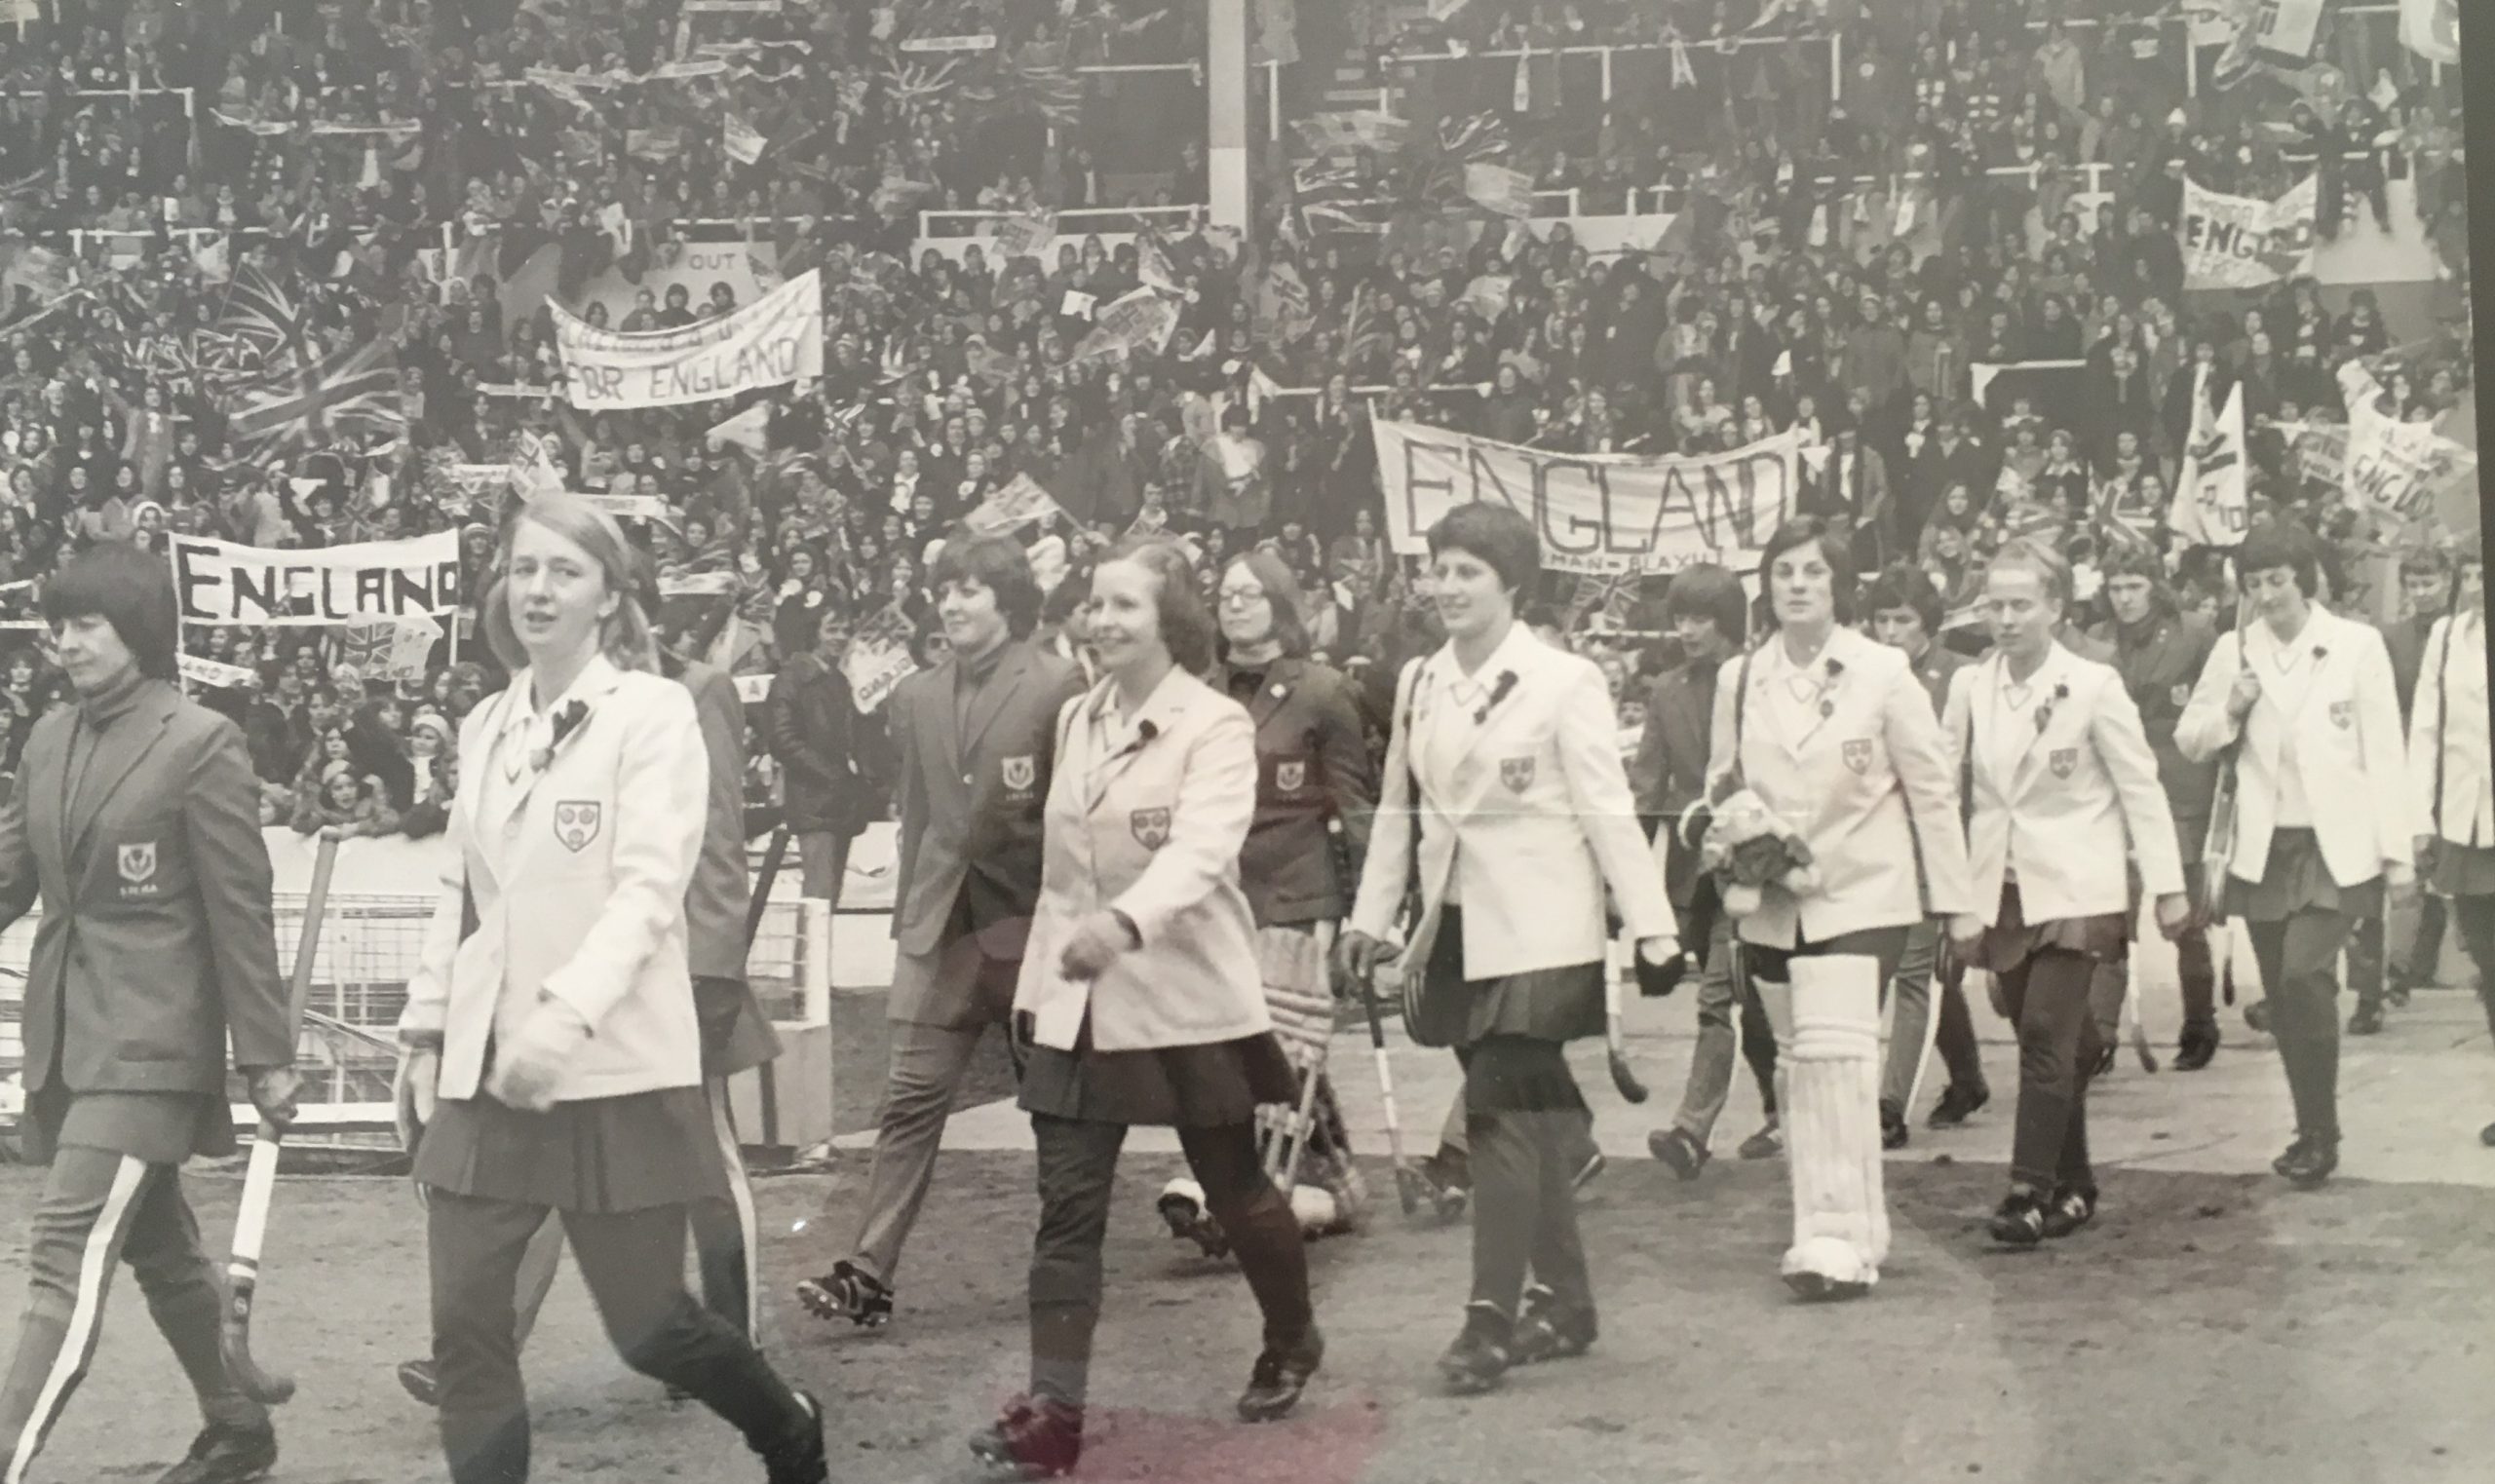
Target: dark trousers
<point x="2299" y="959"/>
<point x="1528" y="1128"/>
<point x="1954" y="1034"/>
<point x="633" y="1264"/>
<point x="1077" y="1169"/>
<point x="99" y="1209"/>
<point x="2473" y="919"/>
<point x="2047" y="998"/>
<point x="2373" y="966"/>
<point x="2195" y="964"/>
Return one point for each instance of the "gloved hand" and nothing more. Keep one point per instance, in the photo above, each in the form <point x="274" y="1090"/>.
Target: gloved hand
<point x="273" y="1091"/>
<point x="527" y="1067"/>
<point x="415" y="1094"/>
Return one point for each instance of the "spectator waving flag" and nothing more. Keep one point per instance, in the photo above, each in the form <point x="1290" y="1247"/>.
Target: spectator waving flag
<point x="2431" y="28"/>
<point x="350" y="396"/>
<point x="262" y="313"/>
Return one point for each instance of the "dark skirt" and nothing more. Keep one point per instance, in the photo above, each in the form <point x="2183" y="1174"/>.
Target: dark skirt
<point x="1212" y="1086"/>
<point x="603" y="1155"/>
<point x="2012" y="940"/>
<point x="2296" y="879"/>
<point x="1558" y="1005"/>
<point x="2459" y="870"/>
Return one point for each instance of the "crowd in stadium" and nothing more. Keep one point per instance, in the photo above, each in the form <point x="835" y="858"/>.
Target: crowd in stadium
<point x="1982" y="185"/>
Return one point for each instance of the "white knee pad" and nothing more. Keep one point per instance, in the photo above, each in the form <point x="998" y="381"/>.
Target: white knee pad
<point x="1832" y="1107"/>
<point x="1184" y="1188"/>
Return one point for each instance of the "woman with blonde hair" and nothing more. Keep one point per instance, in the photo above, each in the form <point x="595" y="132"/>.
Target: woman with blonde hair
<point x="550" y="1042"/>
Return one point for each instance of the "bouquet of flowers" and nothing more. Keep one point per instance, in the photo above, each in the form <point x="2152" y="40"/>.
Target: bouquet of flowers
<point x="1749" y="847"/>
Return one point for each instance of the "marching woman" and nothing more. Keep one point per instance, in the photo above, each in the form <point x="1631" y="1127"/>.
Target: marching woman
<point x="2062" y="793"/>
<point x="1833" y="734"/>
<point x="2303" y="701"/>
<point x="1313" y="778"/>
<point x="1139" y="1001"/>
<point x="552" y="1036"/>
<point x="2448" y="767"/>
<point x="1507" y="809"/>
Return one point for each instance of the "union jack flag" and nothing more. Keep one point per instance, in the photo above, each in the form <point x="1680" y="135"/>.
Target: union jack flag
<point x="261" y="313"/>
<point x="350" y="396"/>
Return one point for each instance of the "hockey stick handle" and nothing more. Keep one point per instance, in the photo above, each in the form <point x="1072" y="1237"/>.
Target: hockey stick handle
<point x="1623" y="1076"/>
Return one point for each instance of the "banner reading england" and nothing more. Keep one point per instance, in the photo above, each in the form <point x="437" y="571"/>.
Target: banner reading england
<point x="218" y="581"/>
<point x="771" y="342"/>
<point x="1595" y="512"/>
<point x="2241" y="241"/>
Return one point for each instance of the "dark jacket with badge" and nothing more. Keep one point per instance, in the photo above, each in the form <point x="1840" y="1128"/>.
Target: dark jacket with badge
<point x="156" y="940"/>
<point x="1311" y="766"/>
<point x="2159" y="662"/>
<point x="973" y="795"/>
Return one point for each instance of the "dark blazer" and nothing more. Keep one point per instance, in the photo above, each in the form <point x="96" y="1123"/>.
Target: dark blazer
<point x="2160" y="669"/>
<point x="972" y="819"/>
<point x="155" y="939"/>
<point x="1668" y="774"/>
<point x="1312" y="764"/>
<point x="737" y="1034"/>
<point x="824" y="747"/>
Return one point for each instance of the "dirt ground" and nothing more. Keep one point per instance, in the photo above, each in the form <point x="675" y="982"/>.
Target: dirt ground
<point x="2208" y="1328"/>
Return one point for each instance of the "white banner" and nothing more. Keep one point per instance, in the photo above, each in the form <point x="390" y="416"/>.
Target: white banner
<point x="215" y="672"/>
<point x="2431" y="28"/>
<point x="1019" y="502"/>
<point x="2241" y="241"/>
<point x="2288" y="27"/>
<point x="1500" y="190"/>
<point x="2210" y="506"/>
<point x="218" y="582"/>
<point x="982" y="42"/>
<point x="1595" y="512"/>
<point x="2394" y="467"/>
<point x="878" y="658"/>
<point x="771" y="342"/>
<point x="742" y="141"/>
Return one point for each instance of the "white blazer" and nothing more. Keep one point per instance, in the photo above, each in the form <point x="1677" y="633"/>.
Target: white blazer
<point x="1864" y="777"/>
<point x="1149" y="824"/>
<point x="579" y="883"/>
<point x="2451" y="712"/>
<point x="2067" y="798"/>
<point x="2349" y="748"/>
<point x="1525" y="809"/>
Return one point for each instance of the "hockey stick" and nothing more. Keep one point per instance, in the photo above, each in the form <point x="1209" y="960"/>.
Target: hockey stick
<point x="767" y="1075"/>
<point x="1616" y="1036"/>
<point x="1410" y="1186"/>
<point x="259" y="1184"/>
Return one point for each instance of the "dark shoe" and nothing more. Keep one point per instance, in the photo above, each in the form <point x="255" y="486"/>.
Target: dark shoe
<point x="2018" y="1221"/>
<point x="2366" y="1019"/>
<point x="1893" y="1125"/>
<point x="1037" y="1437"/>
<point x="1479" y="1359"/>
<point x="2106" y="1055"/>
<point x="1590" y="1171"/>
<point x="1766" y="1144"/>
<point x="1677" y="1149"/>
<point x="223" y="1454"/>
<point x="1958" y="1103"/>
<point x="417" y="1380"/>
<point x="2289" y="1157"/>
<point x="1449" y="1174"/>
<point x="2199" y="1043"/>
<point x="847" y="1292"/>
<point x="2257" y="1015"/>
<point x="798" y="1458"/>
<point x="1189" y="1221"/>
<point x="2486" y="1137"/>
<point x="1279" y="1377"/>
<point x="2310" y="1162"/>
<point x="1549" y="1332"/>
<point x="2070" y="1212"/>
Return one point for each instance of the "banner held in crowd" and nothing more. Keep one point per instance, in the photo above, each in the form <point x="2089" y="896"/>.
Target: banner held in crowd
<point x="1595" y="512"/>
<point x="2242" y="242"/>
<point x="771" y="342"/>
<point x="2211" y="505"/>
<point x="221" y="582"/>
<point x="878" y="659"/>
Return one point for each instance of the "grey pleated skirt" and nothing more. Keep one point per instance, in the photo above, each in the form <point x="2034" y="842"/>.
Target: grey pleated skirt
<point x="2296" y="879"/>
<point x="602" y="1155"/>
<point x="1192" y="1086"/>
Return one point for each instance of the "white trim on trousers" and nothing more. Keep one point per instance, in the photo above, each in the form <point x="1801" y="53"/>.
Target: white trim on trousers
<point x="85" y="1315"/>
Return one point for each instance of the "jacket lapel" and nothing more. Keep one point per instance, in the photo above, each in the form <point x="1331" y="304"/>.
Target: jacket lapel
<point x="118" y="750"/>
<point x="41" y="782"/>
<point x="591" y="690"/>
<point x="1515" y="655"/>
<point x="1281" y="679"/>
<point x="936" y="717"/>
<point x="2040" y="688"/>
<point x="1160" y="713"/>
<point x="1013" y="668"/>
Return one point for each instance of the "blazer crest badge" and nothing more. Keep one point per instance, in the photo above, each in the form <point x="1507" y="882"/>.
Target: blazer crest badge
<point x="2064" y="762"/>
<point x="1020" y="773"/>
<point x="2343" y="714"/>
<point x="1151" y="828"/>
<point x="136" y="863"/>
<point x="576" y="823"/>
<point x="1856" y="753"/>
<point x="1517" y="772"/>
<point x="1290" y="777"/>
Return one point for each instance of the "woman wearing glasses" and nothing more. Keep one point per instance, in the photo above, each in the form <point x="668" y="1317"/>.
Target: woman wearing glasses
<point x="1315" y="792"/>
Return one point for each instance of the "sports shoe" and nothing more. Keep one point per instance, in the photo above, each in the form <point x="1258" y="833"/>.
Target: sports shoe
<point x="2257" y="1015"/>
<point x="418" y="1379"/>
<point x="847" y="1292"/>
<point x="2486" y="1137"/>
<point x="1958" y="1103"/>
<point x="2018" y="1221"/>
<point x="1547" y="1332"/>
<point x="2069" y="1211"/>
<point x="2309" y="1161"/>
<point x="226" y="1455"/>
<point x="2367" y="1019"/>
<point x="1189" y="1221"/>
<point x="1590" y="1171"/>
<point x="798" y="1458"/>
<point x="1035" y="1437"/>
<point x="1893" y="1125"/>
<point x="2198" y="1046"/>
<point x="1479" y="1360"/>
<point x="1280" y="1376"/>
<point x="1449" y="1174"/>
<point x="1677" y="1147"/>
<point x="1766" y="1144"/>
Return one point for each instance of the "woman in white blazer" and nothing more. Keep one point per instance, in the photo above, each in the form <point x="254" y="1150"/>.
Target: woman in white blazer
<point x="2450" y="771"/>
<point x="1140" y="1000"/>
<point x="1505" y="806"/>
<point x="552" y="1049"/>
<point x="2301" y="704"/>
<point x="2062" y="793"/>
<point x="1834" y="734"/>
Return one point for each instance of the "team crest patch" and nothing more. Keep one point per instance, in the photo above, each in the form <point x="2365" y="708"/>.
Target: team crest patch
<point x="1290" y="777"/>
<point x="2064" y="762"/>
<point x="1151" y="828"/>
<point x="2343" y="714"/>
<point x="1020" y="773"/>
<point x="1858" y="755"/>
<point x="138" y="863"/>
<point x="576" y="823"/>
<point x="1517" y="772"/>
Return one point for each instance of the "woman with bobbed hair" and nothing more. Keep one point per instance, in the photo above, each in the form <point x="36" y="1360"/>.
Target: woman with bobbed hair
<point x="550" y="1043"/>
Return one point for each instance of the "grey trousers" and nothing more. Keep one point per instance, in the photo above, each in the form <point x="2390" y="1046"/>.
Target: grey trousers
<point x="1710" y="1061"/>
<point x="925" y="1069"/>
